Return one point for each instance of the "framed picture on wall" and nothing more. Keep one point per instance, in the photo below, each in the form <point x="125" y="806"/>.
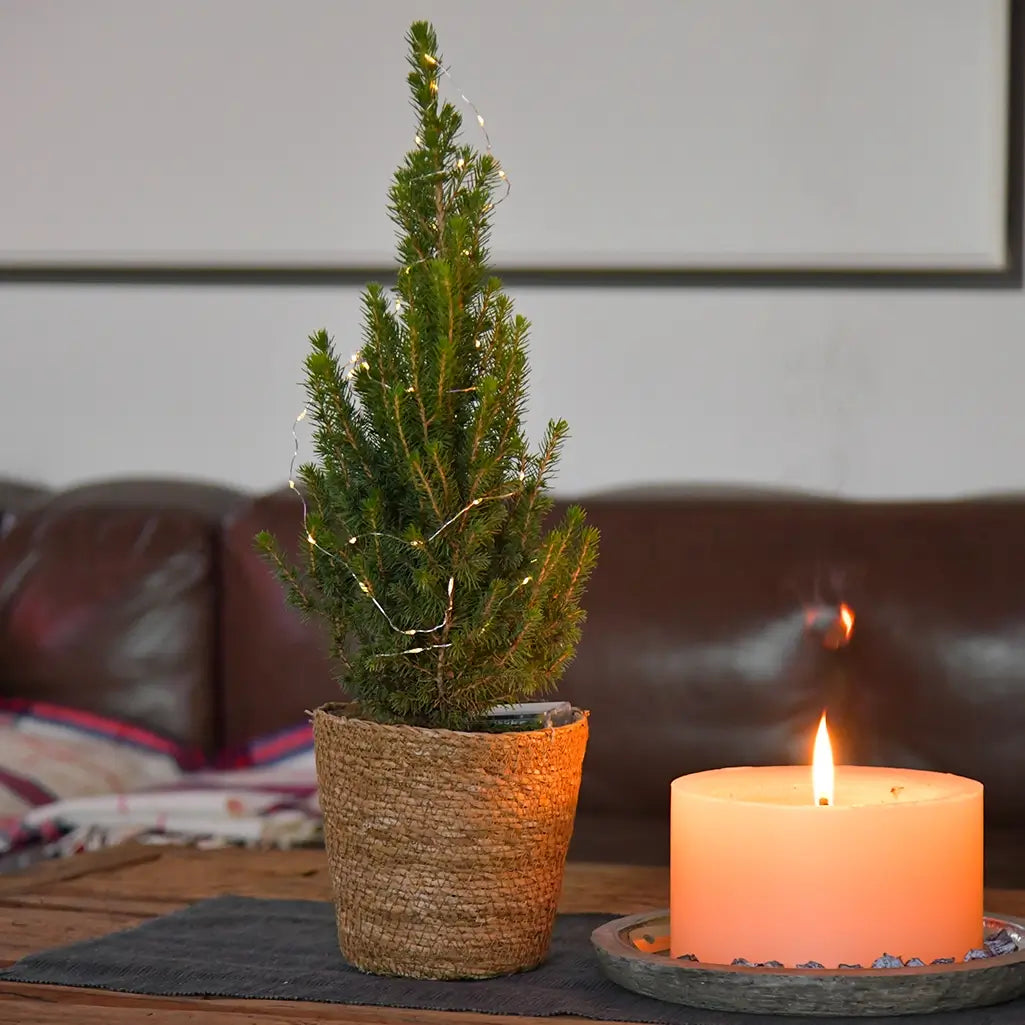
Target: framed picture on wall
<point x="860" y="137"/>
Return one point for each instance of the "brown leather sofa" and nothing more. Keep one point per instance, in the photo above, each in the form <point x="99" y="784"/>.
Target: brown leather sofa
<point x="713" y="636"/>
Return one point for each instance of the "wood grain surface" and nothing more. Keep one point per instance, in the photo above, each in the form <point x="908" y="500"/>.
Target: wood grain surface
<point x="97" y="893"/>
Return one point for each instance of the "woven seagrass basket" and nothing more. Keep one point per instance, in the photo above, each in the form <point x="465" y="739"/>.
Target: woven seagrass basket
<point x="446" y="850"/>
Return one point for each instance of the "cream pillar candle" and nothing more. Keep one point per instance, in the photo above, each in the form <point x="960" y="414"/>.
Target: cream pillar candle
<point x="761" y="870"/>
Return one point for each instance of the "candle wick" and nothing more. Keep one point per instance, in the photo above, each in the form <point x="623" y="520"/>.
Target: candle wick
<point x="824" y="802"/>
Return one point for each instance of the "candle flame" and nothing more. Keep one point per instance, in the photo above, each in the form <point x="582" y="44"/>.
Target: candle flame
<point x="847" y="621"/>
<point x="822" y="765"/>
<point x="833" y="623"/>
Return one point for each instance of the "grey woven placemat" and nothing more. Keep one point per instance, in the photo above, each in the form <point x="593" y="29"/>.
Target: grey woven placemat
<point x="287" y="950"/>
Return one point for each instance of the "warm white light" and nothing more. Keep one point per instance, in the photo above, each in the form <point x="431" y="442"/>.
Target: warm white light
<point x="822" y="765"/>
<point x="480" y="120"/>
<point x="301" y="416"/>
<point x="847" y="620"/>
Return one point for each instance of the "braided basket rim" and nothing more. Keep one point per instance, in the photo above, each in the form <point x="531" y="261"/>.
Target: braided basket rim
<point x="337" y="711"/>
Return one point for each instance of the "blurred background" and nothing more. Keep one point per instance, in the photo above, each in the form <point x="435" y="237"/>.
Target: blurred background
<point x="772" y="243"/>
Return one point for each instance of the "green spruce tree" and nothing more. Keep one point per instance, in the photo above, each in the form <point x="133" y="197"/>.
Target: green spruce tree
<point x="427" y="550"/>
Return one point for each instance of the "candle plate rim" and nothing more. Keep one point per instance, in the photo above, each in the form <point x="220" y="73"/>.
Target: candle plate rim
<point x="809" y="991"/>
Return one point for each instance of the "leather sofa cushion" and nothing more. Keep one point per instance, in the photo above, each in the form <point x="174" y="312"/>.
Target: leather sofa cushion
<point x="275" y="664"/>
<point x="709" y="642"/>
<point x="109" y="603"/>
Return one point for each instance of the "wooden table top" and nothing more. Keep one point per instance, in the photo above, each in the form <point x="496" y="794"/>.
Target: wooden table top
<point x="60" y="902"/>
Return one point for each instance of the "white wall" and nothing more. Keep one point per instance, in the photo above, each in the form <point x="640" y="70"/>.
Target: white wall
<point x="861" y="392"/>
<point x="707" y="133"/>
<point x="854" y="392"/>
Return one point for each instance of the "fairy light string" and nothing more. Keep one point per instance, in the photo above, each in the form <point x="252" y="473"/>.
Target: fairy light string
<point x="460" y="164"/>
<point x="415" y="543"/>
<point x="357" y="363"/>
<point x="431" y="61"/>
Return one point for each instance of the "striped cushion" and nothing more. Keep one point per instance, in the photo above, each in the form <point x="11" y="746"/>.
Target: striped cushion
<point x="49" y="752"/>
<point x="290" y="748"/>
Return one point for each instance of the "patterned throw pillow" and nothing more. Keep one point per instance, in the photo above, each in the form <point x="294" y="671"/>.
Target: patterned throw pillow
<point x="266" y="798"/>
<point x="49" y="752"/>
<point x="289" y="749"/>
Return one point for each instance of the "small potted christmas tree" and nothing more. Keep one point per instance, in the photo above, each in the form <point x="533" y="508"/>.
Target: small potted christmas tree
<point x="445" y="595"/>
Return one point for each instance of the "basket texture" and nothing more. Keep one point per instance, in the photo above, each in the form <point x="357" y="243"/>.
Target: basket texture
<point x="446" y="850"/>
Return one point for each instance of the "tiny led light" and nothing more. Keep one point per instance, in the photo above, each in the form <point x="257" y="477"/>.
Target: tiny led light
<point x="431" y="61"/>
